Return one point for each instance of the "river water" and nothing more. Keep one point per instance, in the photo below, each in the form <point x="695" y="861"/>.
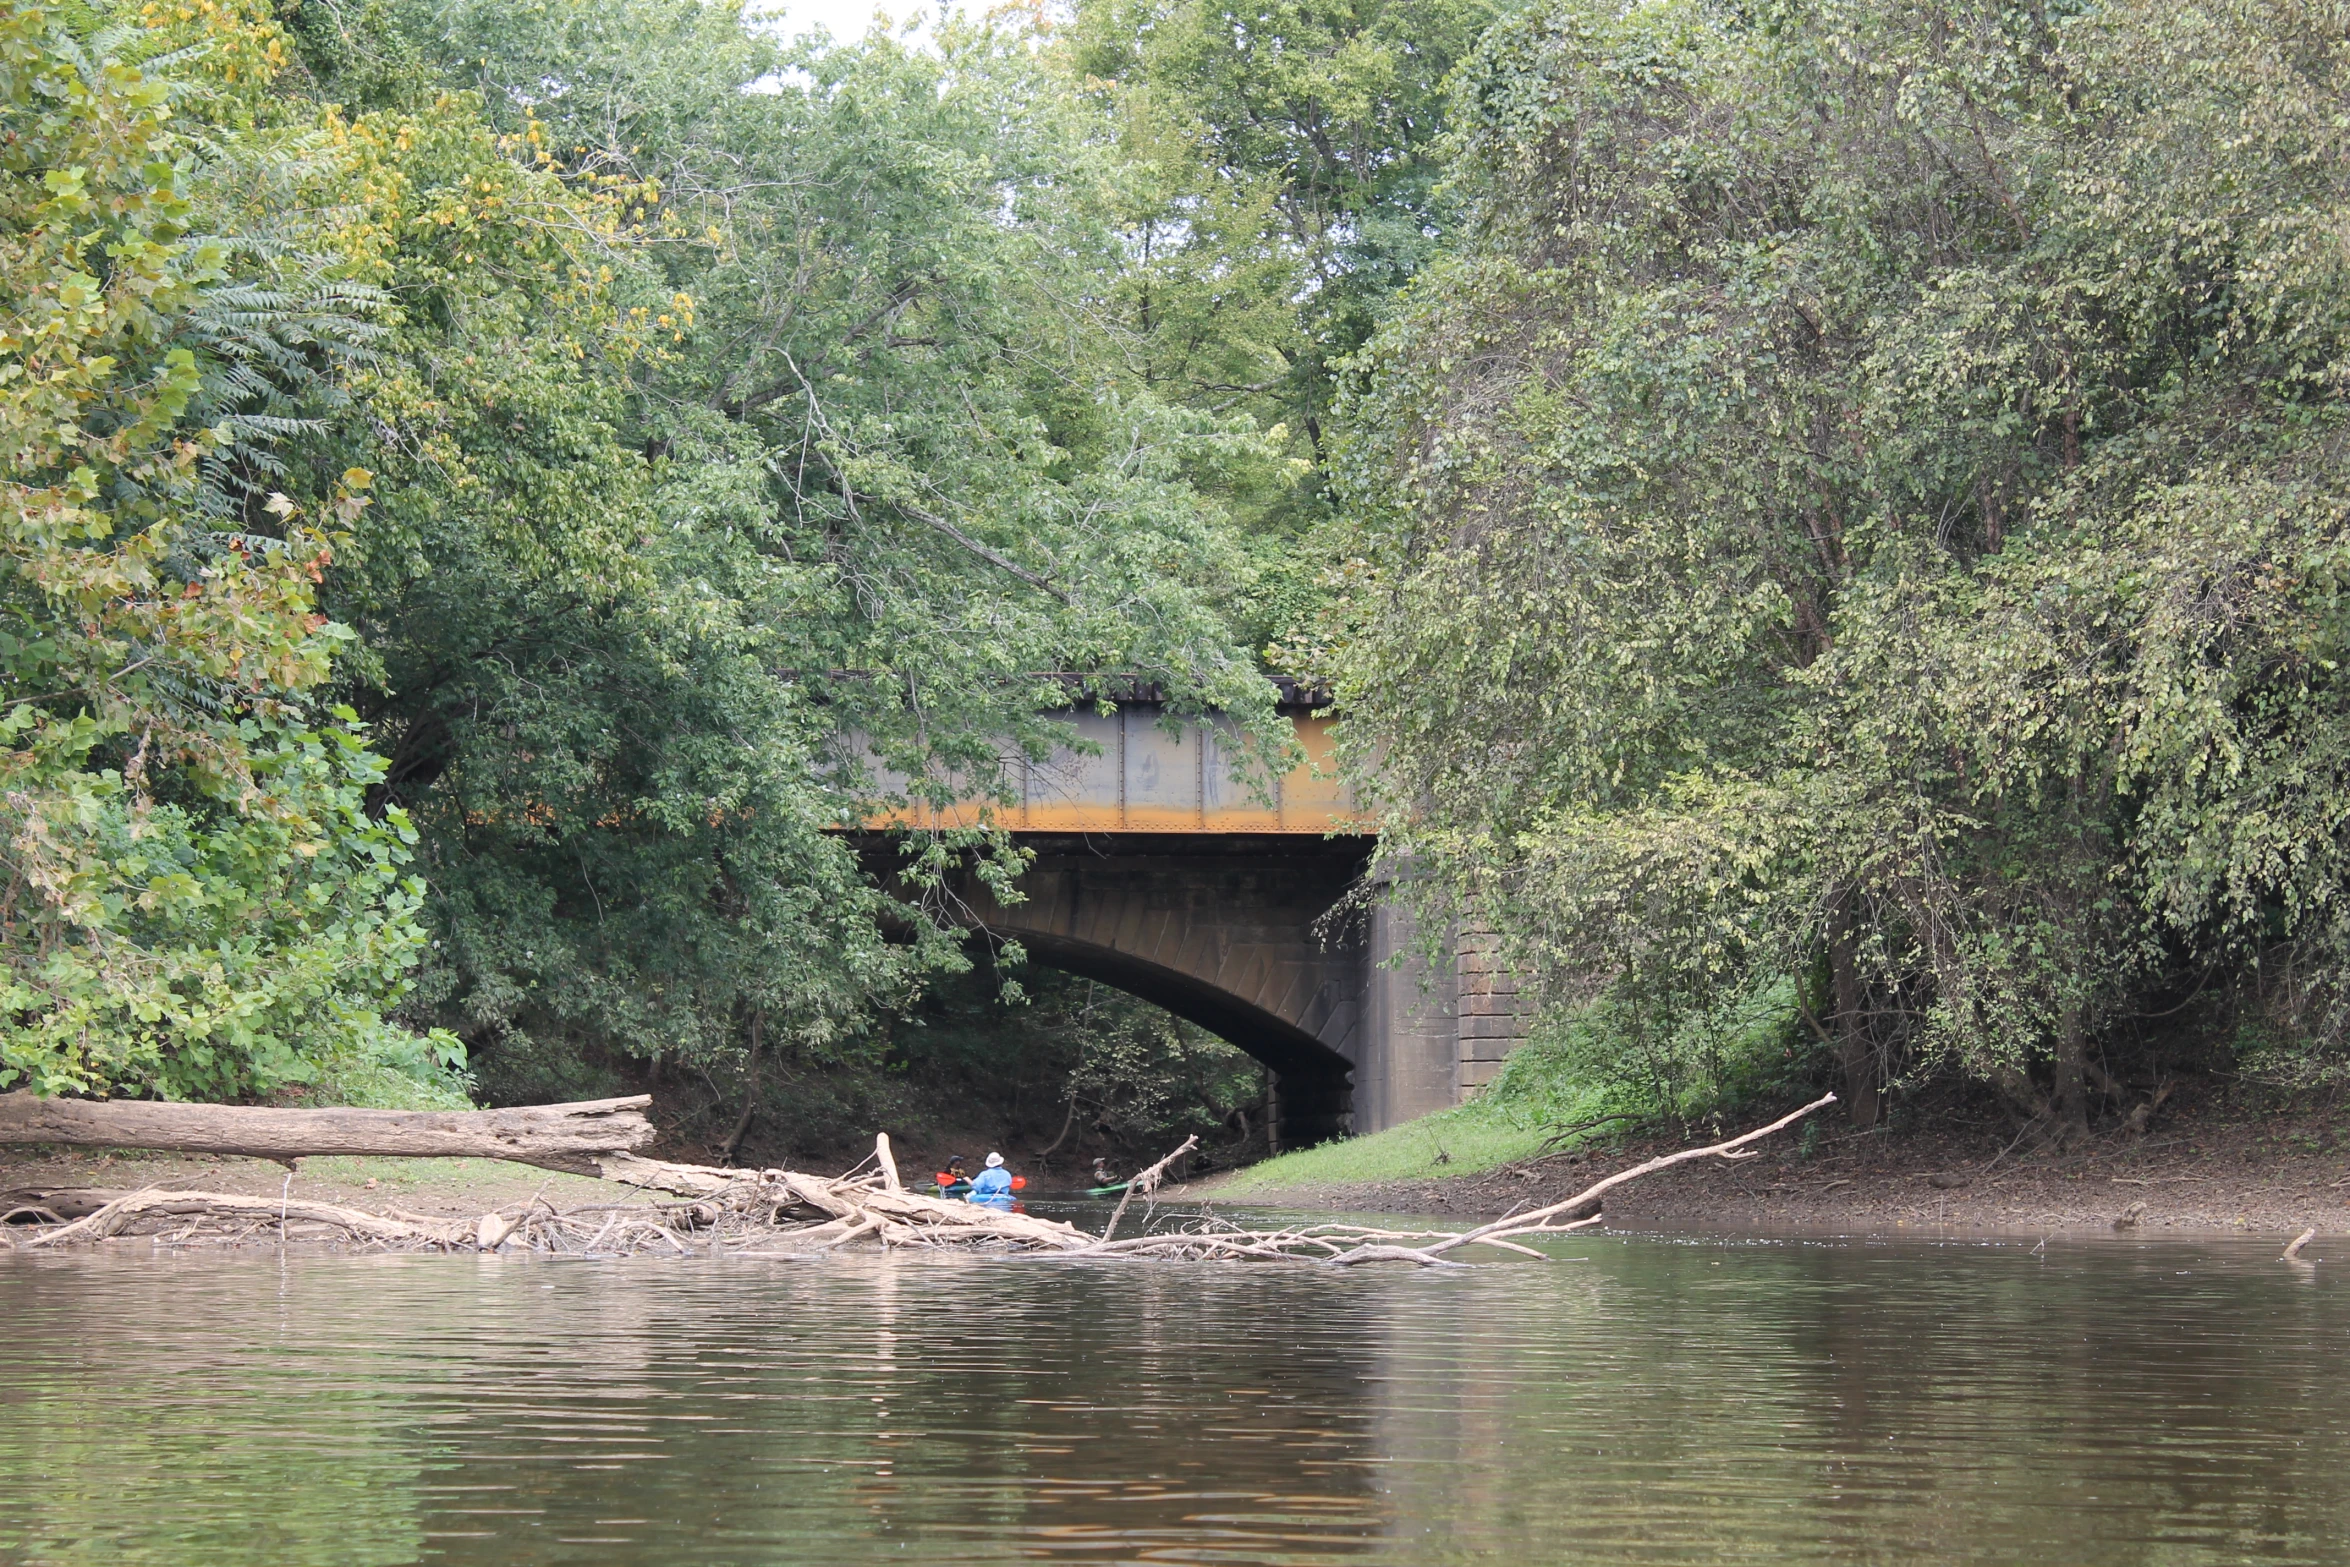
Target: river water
<point x="1637" y="1400"/>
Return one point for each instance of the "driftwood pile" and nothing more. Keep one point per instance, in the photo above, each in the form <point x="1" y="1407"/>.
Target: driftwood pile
<point x="780" y="1213"/>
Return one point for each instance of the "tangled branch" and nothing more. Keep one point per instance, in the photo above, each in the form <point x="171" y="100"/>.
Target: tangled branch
<point x="776" y="1212"/>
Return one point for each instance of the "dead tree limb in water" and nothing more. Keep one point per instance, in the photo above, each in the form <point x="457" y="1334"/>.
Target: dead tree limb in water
<point x="773" y="1213"/>
<point x="111" y="1219"/>
<point x="570" y="1137"/>
<point x="1146" y="1183"/>
<point x="1539" y="1220"/>
<point x="1348" y="1246"/>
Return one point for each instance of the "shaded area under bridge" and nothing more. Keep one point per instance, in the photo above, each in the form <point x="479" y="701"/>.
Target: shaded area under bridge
<point x="1158" y="873"/>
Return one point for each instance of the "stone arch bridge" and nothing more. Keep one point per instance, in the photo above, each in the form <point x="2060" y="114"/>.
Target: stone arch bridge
<point x="1157" y="874"/>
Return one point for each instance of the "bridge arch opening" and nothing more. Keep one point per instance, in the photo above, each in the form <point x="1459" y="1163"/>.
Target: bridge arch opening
<point x="1224" y="930"/>
<point x="1312" y="1084"/>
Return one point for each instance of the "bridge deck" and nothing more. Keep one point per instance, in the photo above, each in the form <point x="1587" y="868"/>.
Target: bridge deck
<point x="1142" y="778"/>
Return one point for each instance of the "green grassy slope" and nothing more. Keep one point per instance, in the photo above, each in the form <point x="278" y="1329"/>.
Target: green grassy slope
<point x="1450" y="1142"/>
<point x="1598" y="1067"/>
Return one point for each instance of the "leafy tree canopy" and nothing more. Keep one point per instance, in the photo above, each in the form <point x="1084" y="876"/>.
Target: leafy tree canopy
<point x="1289" y="184"/>
<point x="197" y="903"/>
<point x="697" y="444"/>
<point x="1832" y="507"/>
<point x="754" y="431"/>
<point x="1867" y="503"/>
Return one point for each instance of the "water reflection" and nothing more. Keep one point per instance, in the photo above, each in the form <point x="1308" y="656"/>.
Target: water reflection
<point x="1850" y="1404"/>
<point x="1652" y="1402"/>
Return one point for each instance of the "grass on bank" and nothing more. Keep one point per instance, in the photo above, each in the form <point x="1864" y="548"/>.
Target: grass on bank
<point x="1461" y="1141"/>
<point x="1606" y="1062"/>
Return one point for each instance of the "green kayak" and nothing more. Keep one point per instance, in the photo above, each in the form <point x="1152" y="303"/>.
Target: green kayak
<point x="1105" y="1191"/>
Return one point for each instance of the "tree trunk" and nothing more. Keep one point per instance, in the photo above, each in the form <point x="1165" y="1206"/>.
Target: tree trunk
<point x="2072" y="1088"/>
<point x="554" y="1137"/>
<point x="742" y="1126"/>
<point x="1853" y="1045"/>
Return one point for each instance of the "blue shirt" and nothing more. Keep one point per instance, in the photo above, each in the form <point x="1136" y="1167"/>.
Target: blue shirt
<point x="991" y="1184"/>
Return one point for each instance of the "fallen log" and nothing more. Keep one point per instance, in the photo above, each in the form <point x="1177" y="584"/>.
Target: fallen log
<point x="759" y="1213"/>
<point x="1347" y="1246"/>
<point x="658" y="1175"/>
<point x="1553" y="1220"/>
<point x="903" y="1216"/>
<point x="934" y="1218"/>
<point x="568" y="1137"/>
<point x="67" y="1202"/>
<point x="111" y="1219"/>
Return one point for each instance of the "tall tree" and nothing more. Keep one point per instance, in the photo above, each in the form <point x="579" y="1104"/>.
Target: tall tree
<point x="755" y="434"/>
<point x="197" y="903"/>
<point x="1287" y="181"/>
<point x="1865" y="505"/>
<point x="1293" y="150"/>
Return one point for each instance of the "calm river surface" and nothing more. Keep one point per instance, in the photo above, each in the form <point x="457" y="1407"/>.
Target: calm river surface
<point x="1649" y="1401"/>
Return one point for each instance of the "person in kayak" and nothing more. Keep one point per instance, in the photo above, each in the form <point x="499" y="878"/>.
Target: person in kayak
<point x="954" y="1176"/>
<point x="993" y="1184"/>
<point x="1101" y="1173"/>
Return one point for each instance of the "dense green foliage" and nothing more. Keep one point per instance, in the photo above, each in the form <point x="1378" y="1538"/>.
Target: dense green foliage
<point x="748" y="445"/>
<point x="797" y="442"/>
<point x="1288" y="186"/>
<point x="1826" y="522"/>
<point x="1866" y="507"/>
<point x="1297" y="183"/>
<point x="197" y="903"/>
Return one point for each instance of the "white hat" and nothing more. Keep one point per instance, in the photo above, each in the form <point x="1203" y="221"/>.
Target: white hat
<point x="994" y="1160"/>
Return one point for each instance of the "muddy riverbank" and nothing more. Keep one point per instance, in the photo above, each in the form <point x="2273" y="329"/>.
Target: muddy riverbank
<point x="2215" y="1173"/>
<point x="2211" y="1172"/>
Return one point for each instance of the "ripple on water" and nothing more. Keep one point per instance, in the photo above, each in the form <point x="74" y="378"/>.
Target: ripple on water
<point x="1656" y="1403"/>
